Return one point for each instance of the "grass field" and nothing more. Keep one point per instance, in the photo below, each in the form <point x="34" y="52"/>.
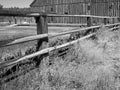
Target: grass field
<point x="22" y="31"/>
<point x="90" y="65"/>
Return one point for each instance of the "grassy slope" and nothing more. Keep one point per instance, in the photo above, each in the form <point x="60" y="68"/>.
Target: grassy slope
<point x="16" y="51"/>
<point x="23" y="31"/>
<point x="91" y="65"/>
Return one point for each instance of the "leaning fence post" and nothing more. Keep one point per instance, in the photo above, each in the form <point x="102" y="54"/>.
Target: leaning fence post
<point x="118" y="19"/>
<point x="89" y="22"/>
<point x="15" y="20"/>
<point x="42" y="28"/>
<point x="105" y="21"/>
<point x="113" y="20"/>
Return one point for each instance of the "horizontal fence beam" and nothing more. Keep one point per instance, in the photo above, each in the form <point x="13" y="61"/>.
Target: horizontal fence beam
<point x="41" y="36"/>
<point x="34" y="14"/>
<point x="114" y="28"/>
<point x="56" y="24"/>
<point x="67" y="24"/>
<point x="73" y="31"/>
<point x="26" y="39"/>
<point x="108" y="25"/>
<point x="22" y="14"/>
<point x="47" y="50"/>
<point x="92" y="16"/>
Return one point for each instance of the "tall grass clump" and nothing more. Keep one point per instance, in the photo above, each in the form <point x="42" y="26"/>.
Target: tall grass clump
<point x="89" y="65"/>
<point x="16" y="51"/>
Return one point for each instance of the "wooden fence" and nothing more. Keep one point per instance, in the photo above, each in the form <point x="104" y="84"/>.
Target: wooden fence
<point x="43" y="35"/>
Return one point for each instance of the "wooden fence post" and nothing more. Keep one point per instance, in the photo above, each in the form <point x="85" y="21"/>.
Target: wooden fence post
<point x="89" y="21"/>
<point x="42" y="28"/>
<point x="113" y="20"/>
<point x="118" y="19"/>
<point x="105" y="21"/>
<point x="15" y="20"/>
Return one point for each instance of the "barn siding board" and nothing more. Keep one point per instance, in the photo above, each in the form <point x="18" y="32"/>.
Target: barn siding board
<point x="93" y="7"/>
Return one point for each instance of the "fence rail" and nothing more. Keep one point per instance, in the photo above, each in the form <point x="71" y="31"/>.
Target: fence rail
<point x="91" y="16"/>
<point x="36" y="37"/>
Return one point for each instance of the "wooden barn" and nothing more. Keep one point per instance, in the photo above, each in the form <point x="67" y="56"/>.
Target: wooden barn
<point x="85" y="7"/>
<point x="105" y="7"/>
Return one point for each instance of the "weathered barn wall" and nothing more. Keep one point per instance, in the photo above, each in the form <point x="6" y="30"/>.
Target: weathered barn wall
<point x="91" y="7"/>
<point x="105" y="7"/>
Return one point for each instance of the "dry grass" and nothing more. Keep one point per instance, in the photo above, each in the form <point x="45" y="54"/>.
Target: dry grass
<point x="90" y="65"/>
<point x="16" y="51"/>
